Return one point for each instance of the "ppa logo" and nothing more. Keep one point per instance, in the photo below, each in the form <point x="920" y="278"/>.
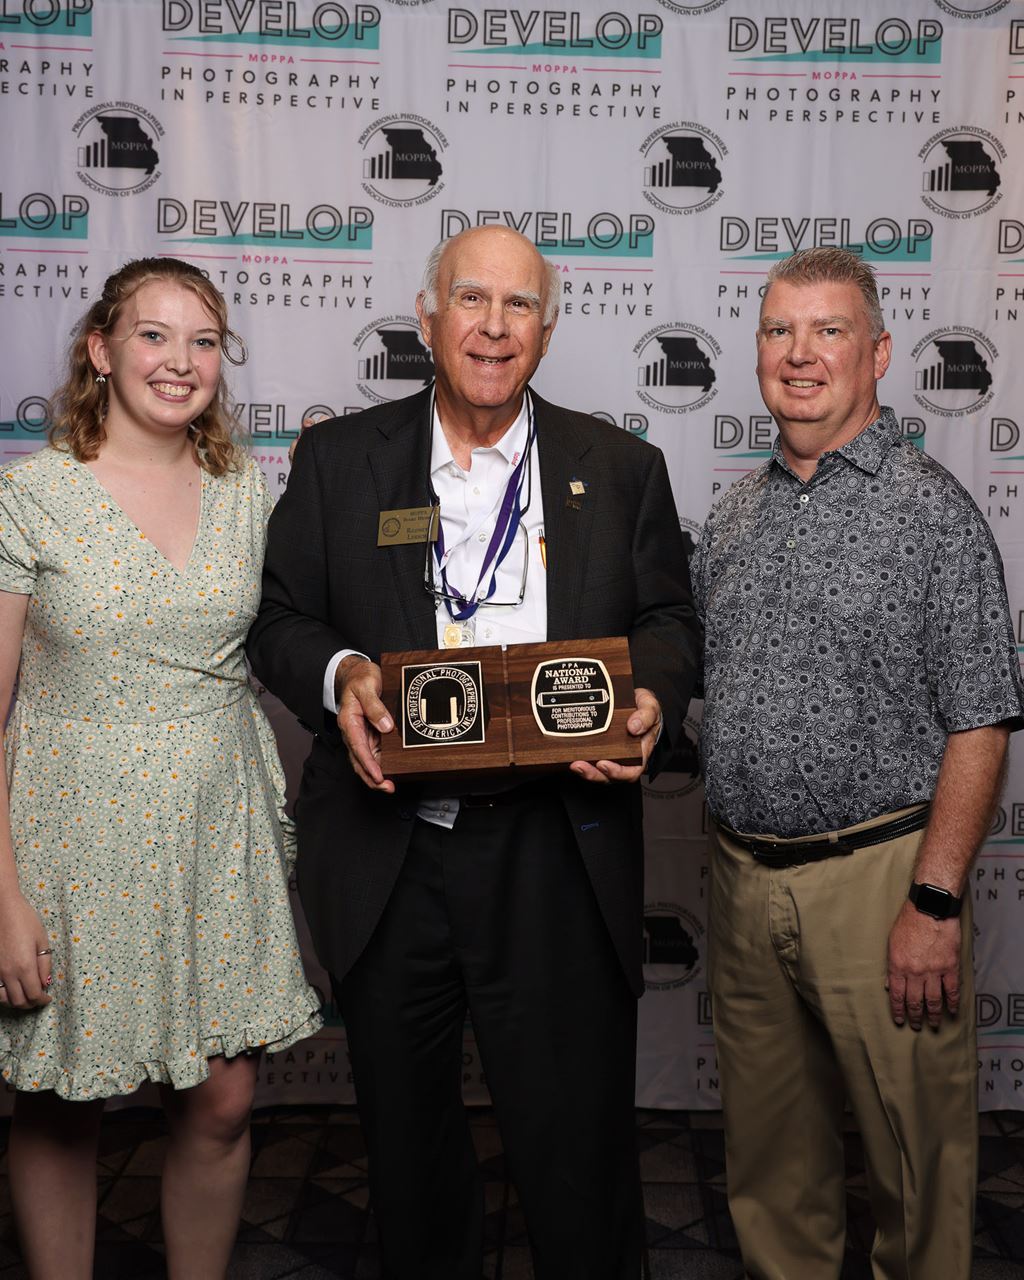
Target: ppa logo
<point x="953" y="371"/>
<point x="117" y="153"/>
<point x="392" y="361"/>
<point x="442" y="703"/>
<point x="683" y="166"/>
<point x="676" y="373"/>
<point x="672" y="946"/>
<point x="961" y="172"/>
<point x="401" y="165"/>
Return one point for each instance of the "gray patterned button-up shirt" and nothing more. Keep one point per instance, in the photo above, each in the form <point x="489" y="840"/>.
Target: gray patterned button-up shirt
<point x="852" y="623"/>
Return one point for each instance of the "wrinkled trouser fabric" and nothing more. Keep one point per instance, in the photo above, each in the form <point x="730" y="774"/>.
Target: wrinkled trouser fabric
<point x="797" y="965"/>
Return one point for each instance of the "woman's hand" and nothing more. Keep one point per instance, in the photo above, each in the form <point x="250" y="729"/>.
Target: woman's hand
<point x="25" y="956"/>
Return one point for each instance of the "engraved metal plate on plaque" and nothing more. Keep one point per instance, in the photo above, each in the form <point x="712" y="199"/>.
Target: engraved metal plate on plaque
<point x="442" y="704"/>
<point x="572" y="697"/>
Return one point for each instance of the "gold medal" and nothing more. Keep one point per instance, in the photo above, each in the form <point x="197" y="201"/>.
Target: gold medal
<point x="452" y="636"/>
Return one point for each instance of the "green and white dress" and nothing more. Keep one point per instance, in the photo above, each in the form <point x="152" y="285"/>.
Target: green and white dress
<point x="147" y="797"/>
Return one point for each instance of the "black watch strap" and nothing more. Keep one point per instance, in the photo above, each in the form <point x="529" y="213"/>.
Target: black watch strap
<point x="932" y="901"/>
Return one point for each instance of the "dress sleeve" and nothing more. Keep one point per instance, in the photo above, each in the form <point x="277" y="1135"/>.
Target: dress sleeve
<point x="18" y="558"/>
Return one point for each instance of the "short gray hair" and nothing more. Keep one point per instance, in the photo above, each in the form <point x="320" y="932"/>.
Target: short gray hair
<point x="552" y="279"/>
<point x="827" y="265"/>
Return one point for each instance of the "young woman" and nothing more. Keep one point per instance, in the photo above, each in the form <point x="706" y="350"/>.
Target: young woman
<point x="145" y="929"/>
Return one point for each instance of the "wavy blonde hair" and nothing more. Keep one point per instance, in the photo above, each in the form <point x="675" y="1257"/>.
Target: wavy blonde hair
<point x="79" y="406"/>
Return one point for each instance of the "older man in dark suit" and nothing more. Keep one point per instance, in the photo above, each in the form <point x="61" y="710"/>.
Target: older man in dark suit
<point x="521" y="904"/>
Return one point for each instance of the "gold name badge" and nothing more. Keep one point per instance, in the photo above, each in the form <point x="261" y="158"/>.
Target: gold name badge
<point x="407" y="524"/>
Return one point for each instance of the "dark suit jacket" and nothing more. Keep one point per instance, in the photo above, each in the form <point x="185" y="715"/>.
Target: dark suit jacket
<point x="616" y="566"/>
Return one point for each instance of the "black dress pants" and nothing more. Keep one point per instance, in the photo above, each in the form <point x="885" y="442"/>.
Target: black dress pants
<point x="497" y="917"/>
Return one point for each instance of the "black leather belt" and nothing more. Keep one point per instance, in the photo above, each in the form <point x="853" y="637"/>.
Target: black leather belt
<point x="795" y="853"/>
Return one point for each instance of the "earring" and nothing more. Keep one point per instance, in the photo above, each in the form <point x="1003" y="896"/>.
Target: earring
<point x="101" y="379"/>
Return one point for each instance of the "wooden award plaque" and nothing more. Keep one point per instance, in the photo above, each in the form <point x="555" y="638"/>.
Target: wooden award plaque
<point x="486" y="709"/>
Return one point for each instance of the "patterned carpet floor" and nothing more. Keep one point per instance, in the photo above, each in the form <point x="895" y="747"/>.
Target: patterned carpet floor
<point x="306" y="1213"/>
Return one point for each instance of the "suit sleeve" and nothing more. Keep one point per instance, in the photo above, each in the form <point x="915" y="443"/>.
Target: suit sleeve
<point x="665" y="640"/>
<point x="291" y="642"/>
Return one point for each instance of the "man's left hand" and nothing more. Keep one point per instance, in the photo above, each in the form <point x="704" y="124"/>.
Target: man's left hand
<point x="923" y="968"/>
<point x="645" y="724"/>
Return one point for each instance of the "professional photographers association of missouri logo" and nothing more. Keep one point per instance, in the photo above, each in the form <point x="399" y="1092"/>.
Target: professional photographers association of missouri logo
<point x="953" y="371"/>
<point x="116" y="148"/>
<point x="683" y="168"/>
<point x="401" y="160"/>
<point x="961" y="177"/>
<point x="391" y="359"/>
<point x="676" y="367"/>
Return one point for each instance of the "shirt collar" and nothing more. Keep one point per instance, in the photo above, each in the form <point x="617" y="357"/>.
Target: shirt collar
<point x="510" y="446"/>
<point x="866" y="450"/>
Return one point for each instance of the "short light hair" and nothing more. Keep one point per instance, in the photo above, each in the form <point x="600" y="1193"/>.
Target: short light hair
<point x="552" y="278"/>
<point x="826" y="265"/>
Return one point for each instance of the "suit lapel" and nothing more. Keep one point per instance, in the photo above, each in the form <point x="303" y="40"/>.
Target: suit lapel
<point x="568" y="516"/>
<point x="401" y="465"/>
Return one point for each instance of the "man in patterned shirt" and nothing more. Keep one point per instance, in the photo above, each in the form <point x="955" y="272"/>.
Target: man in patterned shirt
<point x="861" y="681"/>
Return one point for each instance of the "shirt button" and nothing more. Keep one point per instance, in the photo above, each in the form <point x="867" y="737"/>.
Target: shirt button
<point x="488" y="633"/>
<point x="481" y="537"/>
<point x="790" y="542"/>
<point x="445" y="808"/>
<point x="476" y="490"/>
<point x="804" y="497"/>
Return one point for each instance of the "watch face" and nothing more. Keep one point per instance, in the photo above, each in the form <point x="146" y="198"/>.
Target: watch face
<point x="933" y="901"/>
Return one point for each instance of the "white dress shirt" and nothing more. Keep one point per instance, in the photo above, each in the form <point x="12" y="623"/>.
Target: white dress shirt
<point x="469" y="501"/>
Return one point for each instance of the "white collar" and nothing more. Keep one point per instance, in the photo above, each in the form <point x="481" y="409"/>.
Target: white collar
<point x="510" y="446"/>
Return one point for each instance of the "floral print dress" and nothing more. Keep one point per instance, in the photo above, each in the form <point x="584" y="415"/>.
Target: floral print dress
<point x="147" y="797"/>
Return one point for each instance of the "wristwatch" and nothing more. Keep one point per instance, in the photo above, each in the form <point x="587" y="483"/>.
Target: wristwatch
<point x="932" y="901"/>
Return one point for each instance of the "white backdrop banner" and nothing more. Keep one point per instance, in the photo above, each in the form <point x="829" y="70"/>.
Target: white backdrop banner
<point x="662" y="153"/>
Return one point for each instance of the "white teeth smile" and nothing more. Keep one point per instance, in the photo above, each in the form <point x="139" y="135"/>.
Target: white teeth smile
<point x="491" y="359"/>
<point x="172" y="389"/>
<point x="800" y="382"/>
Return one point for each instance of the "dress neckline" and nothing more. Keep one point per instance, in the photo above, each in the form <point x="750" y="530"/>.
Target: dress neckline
<point x="116" y="506"/>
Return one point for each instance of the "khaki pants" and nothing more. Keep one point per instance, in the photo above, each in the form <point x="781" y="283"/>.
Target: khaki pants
<point x="797" y="964"/>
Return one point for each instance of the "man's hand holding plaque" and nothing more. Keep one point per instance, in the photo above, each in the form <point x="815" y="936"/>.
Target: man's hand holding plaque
<point x="645" y="725"/>
<point x="362" y="718"/>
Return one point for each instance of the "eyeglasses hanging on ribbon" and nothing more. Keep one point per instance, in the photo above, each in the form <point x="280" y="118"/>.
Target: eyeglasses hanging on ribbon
<point x="509" y="531"/>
